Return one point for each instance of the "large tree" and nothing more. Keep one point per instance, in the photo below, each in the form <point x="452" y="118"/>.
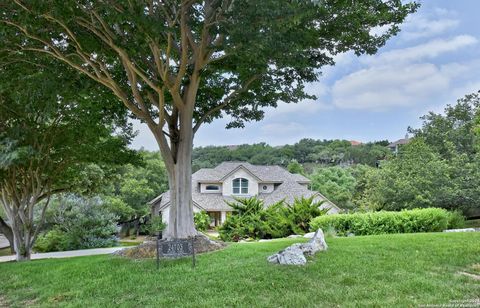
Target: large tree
<point x="56" y="135"/>
<point x="176" y="64"/>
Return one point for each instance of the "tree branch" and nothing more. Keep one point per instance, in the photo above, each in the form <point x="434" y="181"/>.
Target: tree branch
<point x="225" y="102"/>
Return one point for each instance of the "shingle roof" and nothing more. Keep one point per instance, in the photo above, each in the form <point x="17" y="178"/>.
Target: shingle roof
<point x="288" y="189"/>
<point x="264" y="173"/>
<point x="399" y="142"/>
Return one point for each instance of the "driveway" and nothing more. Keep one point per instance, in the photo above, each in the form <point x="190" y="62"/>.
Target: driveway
<point x="68" y="254"/>
<point x="3" y="242"/>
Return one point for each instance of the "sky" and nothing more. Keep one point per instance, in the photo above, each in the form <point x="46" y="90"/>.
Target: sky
<point x="432" y="62"/>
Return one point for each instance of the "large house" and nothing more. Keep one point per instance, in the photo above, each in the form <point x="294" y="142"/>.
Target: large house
<point x="214" y="187"/>
<point x="396" y="145"/>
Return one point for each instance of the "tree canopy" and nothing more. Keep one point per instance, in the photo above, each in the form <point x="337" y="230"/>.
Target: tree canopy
<point x="57" y="133"/>
<point x="178" y="64"/>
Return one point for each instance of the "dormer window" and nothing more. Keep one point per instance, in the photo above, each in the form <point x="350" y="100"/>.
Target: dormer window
<point x="240" y="186"/>
<point x="212" y="188"/>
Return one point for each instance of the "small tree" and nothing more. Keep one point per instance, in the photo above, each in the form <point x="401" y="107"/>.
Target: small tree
<point x="178" y="64"/>
<point x="53" y="138"/>
<point x="295" y="167"/>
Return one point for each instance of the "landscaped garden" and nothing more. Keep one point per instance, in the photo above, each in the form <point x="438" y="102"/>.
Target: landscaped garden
<point x="384" y="270"/>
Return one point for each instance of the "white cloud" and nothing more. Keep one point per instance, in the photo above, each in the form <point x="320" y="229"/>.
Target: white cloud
<point x="306" y="106"/>
<point x="379" y="88"/>
<point x="283" y="129"/>
<point x="424" y="51"/>
<point x="422" y="27"/>
<point x="428" y="23"/>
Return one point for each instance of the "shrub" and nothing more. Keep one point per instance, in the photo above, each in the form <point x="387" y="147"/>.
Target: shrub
<point x="407" y="221"/>
<point x="53" y="240"/>
<point x="78" y="223"/>
<point x="252" y="220"/>
<point x="244" y="222"/>
<point x="302" y="211"/>
<point x="154" y="226"/>
<point x="202" y="221"/>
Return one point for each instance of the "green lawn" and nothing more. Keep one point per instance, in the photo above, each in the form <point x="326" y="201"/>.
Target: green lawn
<point x="5" y="252"/>
<point x="389" y="270"/>
<point x="472" y="223"/>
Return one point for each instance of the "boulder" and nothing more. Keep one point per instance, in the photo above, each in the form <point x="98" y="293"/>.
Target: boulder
<point x="309" y="235"/>
<point x="292" y="255"/>
<point x="296" y="253"/>
<point x="315" y="244"/>
<point x="294" y="236"/>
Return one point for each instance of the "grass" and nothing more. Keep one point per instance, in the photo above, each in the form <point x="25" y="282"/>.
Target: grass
<point x="401" y="270"/>
<point x="5" y="252"/>
<point x="129" y="243"/>
<point x="474" y="223"/>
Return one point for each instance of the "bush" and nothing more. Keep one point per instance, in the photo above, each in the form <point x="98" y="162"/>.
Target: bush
<point x="202" y="221"/>
<point x="53" y="240"/>
<point x="407" y="221"/>
<point x="78" y="223"/>
<point x="302" y="212"/>
<point x="154" y="226"/>
<point x="252" y="220"/>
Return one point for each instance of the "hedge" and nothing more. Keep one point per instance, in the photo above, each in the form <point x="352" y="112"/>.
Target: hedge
<point x="383" y="222"/>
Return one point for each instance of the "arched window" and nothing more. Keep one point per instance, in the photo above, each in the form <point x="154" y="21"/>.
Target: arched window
<point x="240" y="186"/>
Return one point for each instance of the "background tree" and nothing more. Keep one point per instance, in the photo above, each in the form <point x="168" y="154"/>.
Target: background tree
<point x="418" y="177"/>
<point x="295" y="167"/>
<point x="451" y="133"/>
<point x="55" y="136"/>
<point x="178" y="64"/>
<point x="133" y="187"/>
<point x="336" y="183"/>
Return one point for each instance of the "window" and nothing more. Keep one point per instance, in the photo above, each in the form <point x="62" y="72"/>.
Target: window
<point x="212" y="187"/>
<point x="240" y="186"/>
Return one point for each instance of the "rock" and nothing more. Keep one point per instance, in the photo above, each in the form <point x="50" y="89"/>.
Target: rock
<point x="462" y="230"/>
<point x="264" y="240"/>
<point x="350" y="234"/>
<point x="292" y="255"/>
<point x="148" y="249"/>
<point x="309" y="235"/>
<point x="295" y="236"/>
<point x="295" y="254"/>
<point x="317" y="243"/>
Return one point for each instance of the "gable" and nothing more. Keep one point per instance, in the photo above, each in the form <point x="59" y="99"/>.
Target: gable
<point x="241" y="171"/>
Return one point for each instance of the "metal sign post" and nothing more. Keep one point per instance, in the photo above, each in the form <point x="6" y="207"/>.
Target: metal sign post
<point x="159" y="236"/>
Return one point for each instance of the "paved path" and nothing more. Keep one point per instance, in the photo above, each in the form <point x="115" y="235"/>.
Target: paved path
<point x="67" y="254"/>
<point x="3" y="241"/>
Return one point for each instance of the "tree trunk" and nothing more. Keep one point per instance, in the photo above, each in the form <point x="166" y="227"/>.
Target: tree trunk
<point x="21" y="243"/>
<point x="180" y="222"/>
<point x="7" y="231"/>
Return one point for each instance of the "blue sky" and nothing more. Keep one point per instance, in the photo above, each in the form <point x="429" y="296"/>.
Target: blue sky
<point x="432" y="62"/>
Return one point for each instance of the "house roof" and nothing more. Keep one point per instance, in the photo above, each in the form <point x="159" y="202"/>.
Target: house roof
<point x="263" y="173"/>
<point x="399" y="142"/>
<point x="289" y="187"/>
<point x="355" y="142"/>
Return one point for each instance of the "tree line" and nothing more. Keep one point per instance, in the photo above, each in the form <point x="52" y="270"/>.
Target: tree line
<point x="308" y="152"/>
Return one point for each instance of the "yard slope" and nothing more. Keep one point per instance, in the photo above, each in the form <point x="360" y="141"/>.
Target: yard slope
<point x="386" y="270"/>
